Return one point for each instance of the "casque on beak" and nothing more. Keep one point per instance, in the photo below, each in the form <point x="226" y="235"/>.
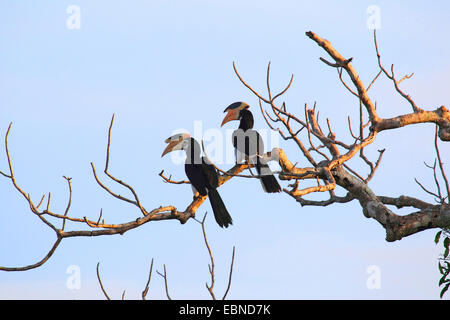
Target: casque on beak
<point x="234" y="111"/>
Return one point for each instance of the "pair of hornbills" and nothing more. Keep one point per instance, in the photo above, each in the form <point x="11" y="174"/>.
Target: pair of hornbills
<point x="204" y="177"/>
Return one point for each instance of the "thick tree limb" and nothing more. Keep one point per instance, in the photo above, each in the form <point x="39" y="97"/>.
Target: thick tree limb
<point x="396" y="226"/>
<point x="335" y="172"/>
<point x="440" y="116"/>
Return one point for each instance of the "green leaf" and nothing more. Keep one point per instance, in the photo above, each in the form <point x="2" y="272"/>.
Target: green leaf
<point x="444" y="290"/>
<point x="447" y="246"/>
<point x="437" y="237"/>
<point x="447" y="271"/>
<point x="443" y="280"/>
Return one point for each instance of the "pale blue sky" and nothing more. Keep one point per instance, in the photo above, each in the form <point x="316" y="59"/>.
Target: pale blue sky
<point x="160" y="66"/>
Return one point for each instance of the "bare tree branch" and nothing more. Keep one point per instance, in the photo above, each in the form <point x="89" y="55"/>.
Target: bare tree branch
<point x="101" y="284"/>
<point x="331" y="172"/>
<point x="144" y="293"/>
<point x="392" y="76"/>
<point x="169" y="179"/>
<point x="441" y="166"/>
<point x="37" y="264"/>
<point x="230" y="276"/>
<point x="210" y="266"/>
<point x="164" y="276"/>
<point x="328" y="168"/>
<point x="97" y="228"/>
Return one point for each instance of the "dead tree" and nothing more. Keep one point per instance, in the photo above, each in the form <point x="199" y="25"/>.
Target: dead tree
<point x="328" y="166"/>
<point x="332" y="170"/>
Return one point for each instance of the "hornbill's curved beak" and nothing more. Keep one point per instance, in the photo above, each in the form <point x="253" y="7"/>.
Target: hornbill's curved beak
<point x="170" y="147"/>
<point x="234" y="110"/>
<point x="233" y="114"/>
<point x="175" y="142"/>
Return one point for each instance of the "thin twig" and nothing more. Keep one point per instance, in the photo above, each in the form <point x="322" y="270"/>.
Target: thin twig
<point x="377" y="164"/>
<point x="136" y="199"/>
<point x="164" y="276"/>
<point x="40" y="202"/>
<point x="441" y="167"/>
<point x="229" y="277"/>
<point x="391" y="76"/>
<point x="425" y="189"/>
<point x="374" y="79"/>
<point x="169" y="179"/>
<point x="249" y="87"/>
<point x="144" y="293"/>
<point x="212" y="265"/>
<point x="5" y="175"/>
<point x="38" y="264"/>
<point x="69" y="202"/>
<point x="101" y="284"/>
<point x="339" y="70"/>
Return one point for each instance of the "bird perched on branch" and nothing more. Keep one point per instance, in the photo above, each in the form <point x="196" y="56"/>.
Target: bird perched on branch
<point x="202" y="175"/>
<point x="248" y="143"/>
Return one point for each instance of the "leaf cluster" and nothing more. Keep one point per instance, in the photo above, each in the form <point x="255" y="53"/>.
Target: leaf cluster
<point x="444" y="262"/>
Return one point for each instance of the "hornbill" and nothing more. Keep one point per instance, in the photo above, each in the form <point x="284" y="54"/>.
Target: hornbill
<point x="248" y="143"/>
<point x="202" y="175"/>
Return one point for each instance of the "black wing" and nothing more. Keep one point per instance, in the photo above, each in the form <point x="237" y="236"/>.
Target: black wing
<point x="194" y="172"/>
<point x="210" y="174"/>
<point x="220" y="211"/>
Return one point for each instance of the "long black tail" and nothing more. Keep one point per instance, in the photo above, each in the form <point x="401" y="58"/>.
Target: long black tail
<point x="268" y="180"/>
<point x="221" y="214"/>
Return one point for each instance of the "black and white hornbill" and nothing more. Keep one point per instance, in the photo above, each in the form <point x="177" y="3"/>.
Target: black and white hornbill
<point x="248" y="143"/>
<point x="202" y="175"/>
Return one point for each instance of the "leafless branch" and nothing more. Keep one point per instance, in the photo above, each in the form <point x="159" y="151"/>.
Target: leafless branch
<point x="101" y="284"/>
<point x="169" y="179"/>
<point x="426" y="190"/>
<point x="210" y="266"/>
<point x="37" y="264"/>
<point x="441" y="167"/>
<point x="96" y="227"/>
<point x="374" y="79"/>
<point x="69" y="202"/>
<point x="145" y="291"/>
<point x="230" y="276"/>
<point x="164" y="276"/>
<point x="136" y="199"/>
<point x="328" y="171"/>
<point x="391" y="76"/>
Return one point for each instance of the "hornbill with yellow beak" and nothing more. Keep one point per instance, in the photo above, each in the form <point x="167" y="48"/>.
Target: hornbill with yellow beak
<point x="248" y="143"/>
<point x="202" y="175"/>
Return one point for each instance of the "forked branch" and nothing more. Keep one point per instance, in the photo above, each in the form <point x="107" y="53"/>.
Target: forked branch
<point x="333" y="169"/>
<point x="98" y="227"/>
